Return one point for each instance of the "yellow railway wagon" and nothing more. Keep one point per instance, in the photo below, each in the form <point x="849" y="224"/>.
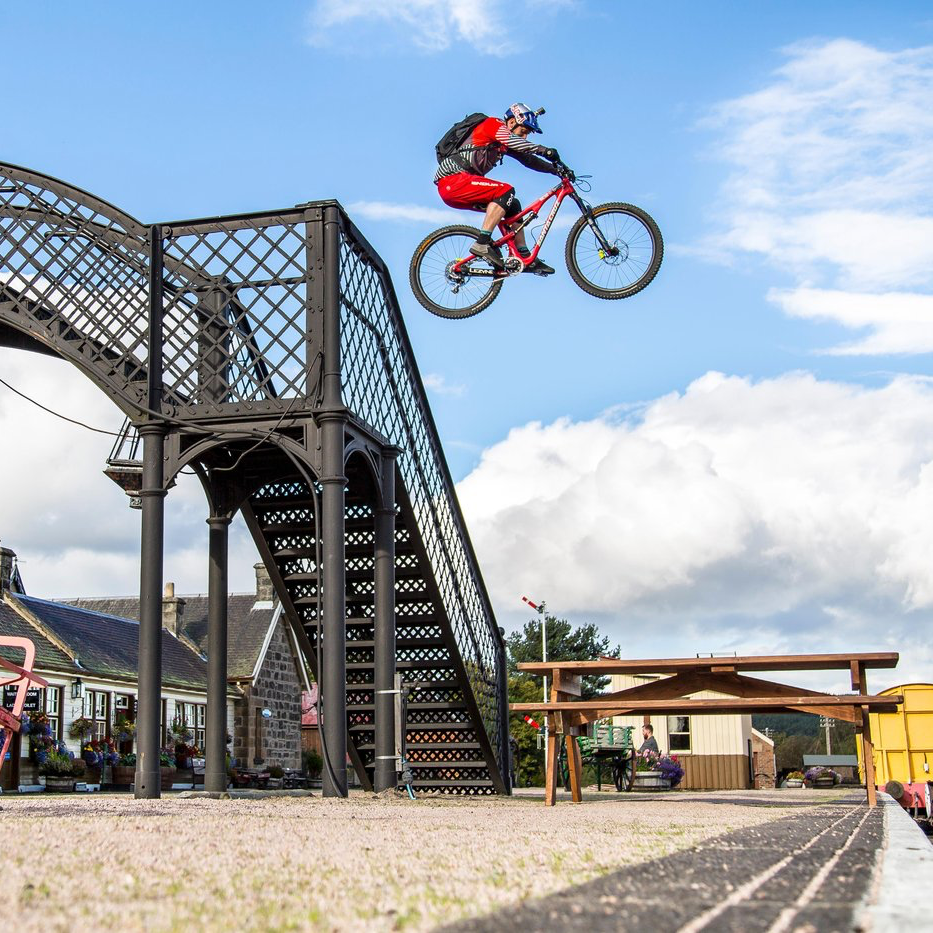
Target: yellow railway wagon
<point x="903" y="740"/>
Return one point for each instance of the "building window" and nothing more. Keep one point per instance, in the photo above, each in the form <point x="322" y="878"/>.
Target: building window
<point x="678" y="733"/>
<point x="97" y="709"/>
<point x="53" y="709"/>
<point x="193" y="716"/>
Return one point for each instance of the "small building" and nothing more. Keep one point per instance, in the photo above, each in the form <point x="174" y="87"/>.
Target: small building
<point x="90" y="661"/>
<point x="88" y="651"/>
<point x="716" y="751"/>
<point x="264" y="664"/>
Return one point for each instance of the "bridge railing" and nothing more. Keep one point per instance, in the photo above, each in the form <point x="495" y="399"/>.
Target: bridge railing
<point x="382" y="386"/>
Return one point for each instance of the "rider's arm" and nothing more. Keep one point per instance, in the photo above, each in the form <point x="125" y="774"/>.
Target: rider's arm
<point x="528" y="153"/>
<point x="530" y="160"/>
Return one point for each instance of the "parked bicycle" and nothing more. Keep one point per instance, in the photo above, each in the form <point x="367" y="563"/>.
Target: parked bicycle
<point x="613" y="251"/>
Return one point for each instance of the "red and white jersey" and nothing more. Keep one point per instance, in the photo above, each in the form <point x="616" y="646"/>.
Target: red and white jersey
<point x="484" y="148"/>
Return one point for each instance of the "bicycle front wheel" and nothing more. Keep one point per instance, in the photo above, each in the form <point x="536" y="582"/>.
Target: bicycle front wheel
<point x="633" y="257"/>
<point x="440" y="288"/>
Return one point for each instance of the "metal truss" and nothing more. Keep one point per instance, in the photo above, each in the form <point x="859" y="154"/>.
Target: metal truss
<point x="267" y="352"/>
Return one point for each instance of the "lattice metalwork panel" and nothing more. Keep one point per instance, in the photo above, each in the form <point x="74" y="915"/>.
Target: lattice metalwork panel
<point x="383" y="389"/>
<point x="444" y="755"/>
<point x="236" y="320"/>
<point x="76" y="270"/>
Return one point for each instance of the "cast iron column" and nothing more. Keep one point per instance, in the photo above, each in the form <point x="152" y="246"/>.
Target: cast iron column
<point x="215" y="770"/>
<point x="152" y="494"/>
<point x="386" y="772"/>
<point x="333" y="599"/>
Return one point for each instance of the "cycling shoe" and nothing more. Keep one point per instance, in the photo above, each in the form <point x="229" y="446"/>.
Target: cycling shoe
<point x="539" y="268"/>
<point x="488" y="252"/>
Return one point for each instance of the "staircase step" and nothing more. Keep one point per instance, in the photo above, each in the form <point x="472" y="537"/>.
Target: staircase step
<point x="433" y="746"/>
<point x="365" y="707"/>
<point x="404" y="665"/>
<point x="451" y="784"/>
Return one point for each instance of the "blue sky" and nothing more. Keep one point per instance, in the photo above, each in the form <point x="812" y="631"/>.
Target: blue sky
<point x="739" y="458"/>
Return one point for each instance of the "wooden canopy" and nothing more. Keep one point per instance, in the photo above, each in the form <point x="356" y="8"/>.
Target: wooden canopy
<point x="566" y="712"/>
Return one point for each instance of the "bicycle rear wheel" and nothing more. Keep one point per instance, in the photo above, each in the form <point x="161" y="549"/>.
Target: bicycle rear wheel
<point x="635" y="254"/>
<point x="623" y="771"/>
<point x="438" y="288"/>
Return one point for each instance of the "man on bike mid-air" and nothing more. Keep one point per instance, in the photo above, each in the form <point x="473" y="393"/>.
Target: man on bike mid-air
<point x="461" y="180"/>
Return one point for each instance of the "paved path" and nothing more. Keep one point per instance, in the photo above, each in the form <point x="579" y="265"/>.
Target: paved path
<point x="808" y="871"/>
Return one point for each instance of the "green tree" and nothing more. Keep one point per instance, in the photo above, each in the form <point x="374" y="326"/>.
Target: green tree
<point x="564" y="643"/>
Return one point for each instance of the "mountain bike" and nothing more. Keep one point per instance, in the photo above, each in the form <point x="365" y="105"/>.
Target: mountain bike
<point x="613" y="251"/>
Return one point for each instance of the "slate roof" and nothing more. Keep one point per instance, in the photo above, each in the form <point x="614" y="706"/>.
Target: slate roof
<point x="248" y="623"/>
<point x="104" y="644"/>
<point x="48" y="655"/>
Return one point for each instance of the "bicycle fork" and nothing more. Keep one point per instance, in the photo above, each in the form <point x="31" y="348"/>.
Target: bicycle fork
<point x="605" y="246"/>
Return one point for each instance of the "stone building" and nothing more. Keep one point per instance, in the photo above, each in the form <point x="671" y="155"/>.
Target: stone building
<point x="264" y="665"/>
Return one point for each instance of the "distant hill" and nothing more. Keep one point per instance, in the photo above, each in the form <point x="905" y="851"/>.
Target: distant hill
<point x="789" y="723"/>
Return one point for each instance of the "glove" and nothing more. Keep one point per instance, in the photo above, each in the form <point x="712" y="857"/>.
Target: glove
<point x="552" y="154"/>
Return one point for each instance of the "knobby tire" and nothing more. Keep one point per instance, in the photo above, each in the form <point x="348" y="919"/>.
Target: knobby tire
<point x="638" y="237"/>
<point x="430" y="284"/>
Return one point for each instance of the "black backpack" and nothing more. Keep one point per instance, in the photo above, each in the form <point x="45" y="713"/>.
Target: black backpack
<point x="454" y="138"/>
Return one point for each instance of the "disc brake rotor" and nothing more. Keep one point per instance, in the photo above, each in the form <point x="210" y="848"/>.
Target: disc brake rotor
<point x="618" y="255"/>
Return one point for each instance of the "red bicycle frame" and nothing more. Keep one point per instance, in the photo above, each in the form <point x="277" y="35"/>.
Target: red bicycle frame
<point x="521" y="220"/>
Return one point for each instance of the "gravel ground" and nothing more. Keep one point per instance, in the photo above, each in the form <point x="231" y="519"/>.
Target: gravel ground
<point x="366" y="863"/>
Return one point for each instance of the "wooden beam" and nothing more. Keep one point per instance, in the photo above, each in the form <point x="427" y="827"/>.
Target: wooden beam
<point x="619" y="708"/>
<point x="568" y="683"/>
<point x="780" y="662"/>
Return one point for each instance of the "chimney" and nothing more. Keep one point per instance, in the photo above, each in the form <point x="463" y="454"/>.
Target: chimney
<point x="265" y="593"/>
<point x="173" y="609"/>
<point x="7" y="562"/>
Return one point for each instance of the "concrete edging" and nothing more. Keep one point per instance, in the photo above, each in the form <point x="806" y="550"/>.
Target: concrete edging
<point x="902" y="889"/>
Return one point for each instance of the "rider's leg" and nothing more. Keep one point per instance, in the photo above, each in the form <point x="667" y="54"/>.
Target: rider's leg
<point x="494" y="213"/>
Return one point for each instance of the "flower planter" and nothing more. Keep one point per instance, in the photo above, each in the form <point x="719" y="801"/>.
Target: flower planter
<point x="824" y="782"/>
<point x="651" y="780"/>
<point x="123" y="775"/>
<point x="60" y="783"/>
<point x="167" y="777"/>
<point x="793" y="783"/>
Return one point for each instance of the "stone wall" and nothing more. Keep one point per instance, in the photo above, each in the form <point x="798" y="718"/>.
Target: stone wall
<point x="763" y="763"/>
<point x="278" y="688"/>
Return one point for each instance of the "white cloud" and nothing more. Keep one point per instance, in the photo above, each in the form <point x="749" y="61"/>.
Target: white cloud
<point x="406" y="213"/>
<point x="70" y="525"/>
<point x="430" y="25"/>
<point x="901" y="322"/>
<point x="832" y="180"/>
<point x="435" y="382"/>
<point x="778" y="515"/>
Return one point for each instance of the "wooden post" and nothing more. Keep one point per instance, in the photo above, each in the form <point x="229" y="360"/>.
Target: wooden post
<point x="868" y="751"/>
<point x="550" y="780"/>
<point x="575" y="767"/>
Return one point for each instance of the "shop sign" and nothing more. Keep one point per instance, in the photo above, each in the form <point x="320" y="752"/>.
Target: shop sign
<point x="33" y="699"/>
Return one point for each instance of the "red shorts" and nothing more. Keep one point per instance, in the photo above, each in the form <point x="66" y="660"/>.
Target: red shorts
<point x="472" y="192"/>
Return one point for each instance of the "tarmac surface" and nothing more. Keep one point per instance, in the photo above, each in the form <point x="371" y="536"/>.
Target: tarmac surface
<point x="809" y="871"/>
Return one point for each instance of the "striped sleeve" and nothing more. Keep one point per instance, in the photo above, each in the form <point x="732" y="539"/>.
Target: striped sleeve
<point x="515" y="143"/>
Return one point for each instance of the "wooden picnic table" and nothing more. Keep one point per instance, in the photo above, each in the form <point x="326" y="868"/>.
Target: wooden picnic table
<point x="567" y="713"/>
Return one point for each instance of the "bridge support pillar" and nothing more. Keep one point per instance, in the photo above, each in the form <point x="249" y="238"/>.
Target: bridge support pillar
<point x="215" y="771"/>
<point x="333" y="419"/>
<point x="149" y="709"/>
<point x="386" y="770"/>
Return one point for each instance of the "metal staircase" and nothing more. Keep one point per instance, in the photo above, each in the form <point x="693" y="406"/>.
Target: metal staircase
<point x="268" y="353"/>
